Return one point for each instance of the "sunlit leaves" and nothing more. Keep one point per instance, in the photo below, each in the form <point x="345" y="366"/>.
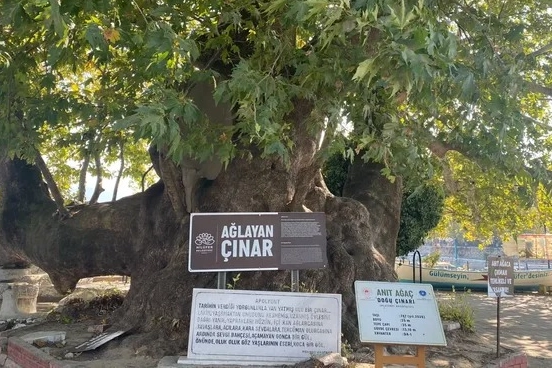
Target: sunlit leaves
<point x="111" y="35"/>
<point x="486" y="202"/>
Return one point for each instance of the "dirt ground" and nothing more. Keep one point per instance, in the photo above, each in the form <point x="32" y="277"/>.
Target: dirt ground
<point x="526" y="325"/>
<point x="463" y="351"/>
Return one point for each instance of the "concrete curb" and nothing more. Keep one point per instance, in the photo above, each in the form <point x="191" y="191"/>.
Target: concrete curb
<point x="513" y="360"/>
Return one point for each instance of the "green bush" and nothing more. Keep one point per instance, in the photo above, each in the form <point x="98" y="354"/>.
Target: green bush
<point x="431" y="259"/>
<point x="421" y="209"/>
<point x="457" y="309"/>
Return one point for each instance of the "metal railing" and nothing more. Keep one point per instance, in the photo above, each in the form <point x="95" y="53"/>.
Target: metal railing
<point x="416" y="253"/>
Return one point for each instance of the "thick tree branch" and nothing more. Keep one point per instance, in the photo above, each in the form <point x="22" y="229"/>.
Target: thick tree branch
<point x="52" y="186"/>
<point x="304" y="159"/>
<point x="99" y="239"/>
<point x="543" y="50"/>
<point x="98" y="189"/>
<point x="172" y="178"/>
<point x="537" y="88"/>
<point x="82" y="176"/>
<point x="439" y="149"/>
<point x="121" y="169"/>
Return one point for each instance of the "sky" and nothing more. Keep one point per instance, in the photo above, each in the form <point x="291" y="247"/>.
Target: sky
<point x="125" y="188"/>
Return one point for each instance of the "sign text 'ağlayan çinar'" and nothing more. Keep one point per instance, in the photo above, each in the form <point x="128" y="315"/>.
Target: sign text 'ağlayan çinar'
<point x="246" y="241"/>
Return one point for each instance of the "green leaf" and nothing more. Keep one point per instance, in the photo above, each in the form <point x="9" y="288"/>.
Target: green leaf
<point x="12" y="12"/>
<point x="515" y="33"/>
<point x="468" y="85"/>
<point x="59" y="24"/>
<point x="365" y="68"/>
<point x="94" y="36"/>
<point x="188" y="47"/>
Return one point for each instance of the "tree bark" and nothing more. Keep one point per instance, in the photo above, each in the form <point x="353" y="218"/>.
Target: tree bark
<point x="382" y="199"/>
<point x="145" y="236"/>
<point x="51" y="185"/>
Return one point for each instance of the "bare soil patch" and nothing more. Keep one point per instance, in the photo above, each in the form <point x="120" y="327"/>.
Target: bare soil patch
<point x="76" y="317"/>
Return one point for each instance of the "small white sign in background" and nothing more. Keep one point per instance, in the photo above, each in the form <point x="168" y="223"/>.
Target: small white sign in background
<point x="263" y="325"/>
<point x="398" y="313"/>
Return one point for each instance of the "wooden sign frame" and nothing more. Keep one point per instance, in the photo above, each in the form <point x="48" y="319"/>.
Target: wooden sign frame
<point x="381" y="359"/>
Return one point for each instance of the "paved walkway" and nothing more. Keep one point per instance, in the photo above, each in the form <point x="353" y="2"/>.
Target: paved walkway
<point x="525" y="324"/>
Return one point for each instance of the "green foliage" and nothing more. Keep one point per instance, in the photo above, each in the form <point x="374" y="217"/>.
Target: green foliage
<point x="412" y="79"/>
<point x="456" y="308"/>
<point x="486" y="202"/>
<point x="335" y="172"/>
<point x="431" y="259"/>
<point x="421" y="211"/>
<point x="346" y="348"/>
<point x="234" y="284"/>
<point x="421" y="207"/>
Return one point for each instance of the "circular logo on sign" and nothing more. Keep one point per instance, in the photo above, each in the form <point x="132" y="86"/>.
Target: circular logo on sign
<point x="204" y="239"/>
<point x="366" y="293"/>
<point x="204" y="243"/>
<point x="423" y="293"/>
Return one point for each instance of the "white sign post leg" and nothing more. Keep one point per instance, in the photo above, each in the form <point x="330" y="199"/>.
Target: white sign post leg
<point x="295" y="280"/>
<point x="221" y="280"/>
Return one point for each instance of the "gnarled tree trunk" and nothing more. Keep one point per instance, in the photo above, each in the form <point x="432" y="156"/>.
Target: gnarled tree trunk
<point x="146" y="236"/>
<point x="382" y="197"/>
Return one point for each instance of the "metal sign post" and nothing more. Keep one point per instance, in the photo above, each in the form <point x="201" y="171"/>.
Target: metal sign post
<point x="498" y="327"/>
<point x="500" y="284"/>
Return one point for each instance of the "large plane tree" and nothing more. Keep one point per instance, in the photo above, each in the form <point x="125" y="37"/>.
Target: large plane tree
<point x="241" y="102"/>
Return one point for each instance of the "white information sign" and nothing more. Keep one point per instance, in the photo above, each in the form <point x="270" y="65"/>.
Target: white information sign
<point x="259" y="325"/>
<point x="501" y="277"/>
<point x="398" y="313"/>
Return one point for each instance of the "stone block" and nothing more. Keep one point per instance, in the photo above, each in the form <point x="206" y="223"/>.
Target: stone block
<point x="3" y="358"/>
<point x="13" y="274"/>
<point x="26" y="295"/>
<point x="451" y="326"/>
<point x="48" y="336"/>
<point x="97" y="329"/>
<point x="334" y="359"/>
<point x="3" y="344"/>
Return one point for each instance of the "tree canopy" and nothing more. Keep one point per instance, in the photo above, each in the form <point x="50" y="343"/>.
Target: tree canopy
<point x="416" y="79"/>
<point x="240" y="103"/>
